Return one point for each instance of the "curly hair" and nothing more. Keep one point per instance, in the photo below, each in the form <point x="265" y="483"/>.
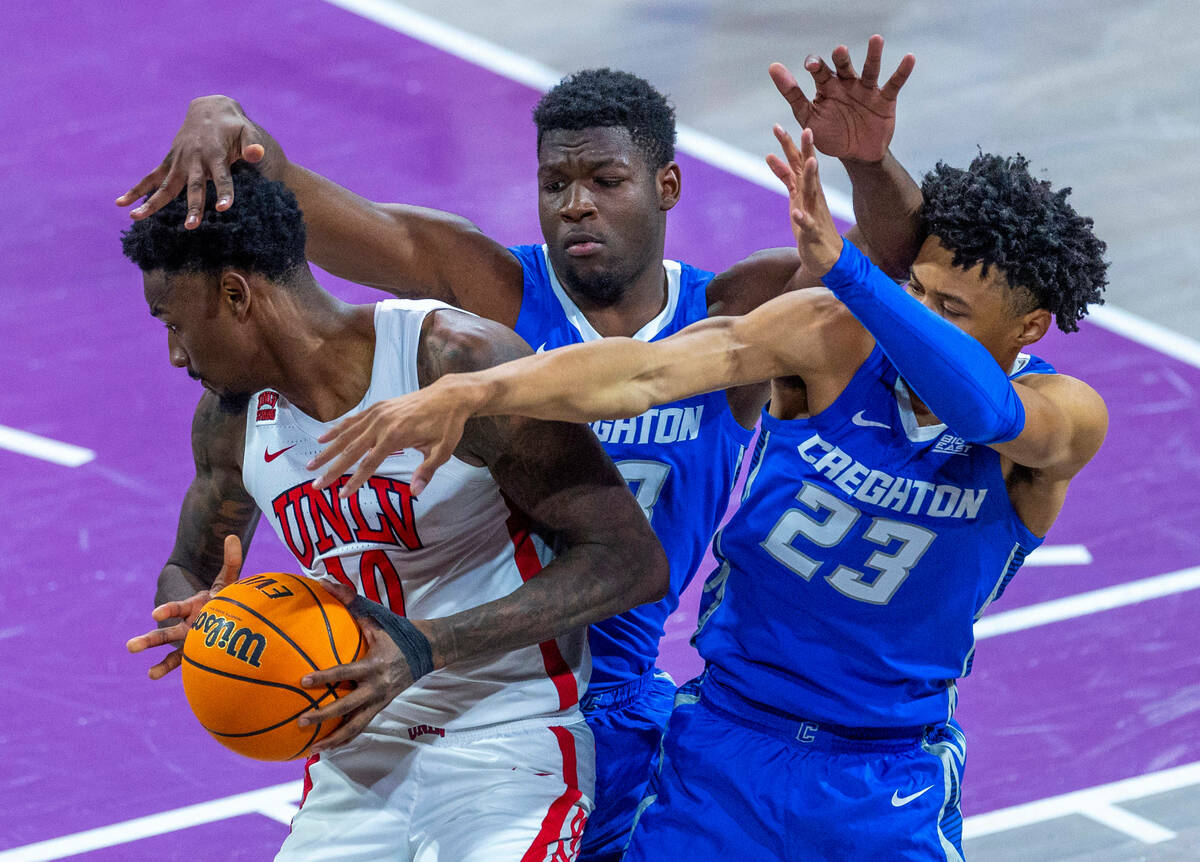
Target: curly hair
<point x="997" y="214"/>
<point x="262" y="233"/>
<point x="604" y="97"/>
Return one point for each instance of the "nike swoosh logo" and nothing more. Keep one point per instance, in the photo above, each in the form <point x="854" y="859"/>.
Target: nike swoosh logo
<point x="858" y="419"/>
<point x="898" y="800"/>
<point x="270" y="456"/>
<point x="541" y="349"/>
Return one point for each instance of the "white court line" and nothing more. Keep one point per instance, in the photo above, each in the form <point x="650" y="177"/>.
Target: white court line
<point x="269" y="801"/>
<point x="1060" y="555"/>
<point x="37" y="446"/>
<point x="531" y="73"/>
<point x="1098" y="803"/>
<point x="736" y="161"/>
<point x="1081" y="604"/>
<point x="1133" y="825"/>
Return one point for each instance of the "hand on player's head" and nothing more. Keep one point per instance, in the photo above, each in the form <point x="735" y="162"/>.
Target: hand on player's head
<point x="851" y="116"/>
<point x="186" y="612"/>
<point x="215" y="134"/>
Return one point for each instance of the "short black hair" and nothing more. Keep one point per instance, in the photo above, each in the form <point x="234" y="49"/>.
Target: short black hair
<point x="263" y="232"/>
<point x="605" y="97"/>
<point x="996" y="213"/>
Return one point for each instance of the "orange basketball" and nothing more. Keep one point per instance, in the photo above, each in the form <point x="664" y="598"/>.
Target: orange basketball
<point x="247" y="652"/>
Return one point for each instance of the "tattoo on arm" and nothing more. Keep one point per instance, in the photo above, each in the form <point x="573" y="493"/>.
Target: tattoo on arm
<point x="216" y="504"/>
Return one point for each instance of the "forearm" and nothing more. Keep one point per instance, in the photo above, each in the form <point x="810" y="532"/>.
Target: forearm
<point x="175" y="584"/>
<point x="355" y="238"/>
<point x="587" y="584"/>
<point x="953" y="373"/>
<point x="887" y="207"/>
<point x="614" y="377"/>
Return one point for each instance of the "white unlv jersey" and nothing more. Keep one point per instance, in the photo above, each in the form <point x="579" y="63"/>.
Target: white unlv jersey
<point x="456" y="547"/>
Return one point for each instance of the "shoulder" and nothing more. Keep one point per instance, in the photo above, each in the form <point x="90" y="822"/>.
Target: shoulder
<point x="1082" y="406"/>
<point x="750" y="281"/>
<point x="218" y="433"/>
<point x="454" y="341"/>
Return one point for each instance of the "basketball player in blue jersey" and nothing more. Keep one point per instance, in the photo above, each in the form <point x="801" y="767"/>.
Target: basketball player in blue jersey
<point x="911" y="456"/>
<point x="606" y="179"/>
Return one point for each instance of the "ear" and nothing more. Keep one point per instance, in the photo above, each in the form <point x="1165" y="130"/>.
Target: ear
<point x="236" y="293"/>
<point x="1034" y="325"/>
<point x="668" y="181"/>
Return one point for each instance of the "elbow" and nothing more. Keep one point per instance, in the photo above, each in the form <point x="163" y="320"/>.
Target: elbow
<point x="653" y="572"/>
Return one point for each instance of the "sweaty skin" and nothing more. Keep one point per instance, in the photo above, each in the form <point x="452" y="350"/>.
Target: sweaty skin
<point x="592" y="183"/>
<point x="556" y="473"/>
<point x="808" y="335"/>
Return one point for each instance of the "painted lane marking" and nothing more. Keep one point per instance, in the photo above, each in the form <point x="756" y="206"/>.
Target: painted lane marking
<point x="733" y="160"/>
<point x="272" y="802"/>
<point x="1097" y="803"/>
<point x="1082" y="604"/>
<point x="531" y="73"/>
<point x="36" y="446"/>
<point x="1060" y="555"/>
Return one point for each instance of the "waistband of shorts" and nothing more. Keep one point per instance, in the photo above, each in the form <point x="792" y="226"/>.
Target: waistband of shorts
<point x="617" y="696"/>
<point x="808" y="732"/>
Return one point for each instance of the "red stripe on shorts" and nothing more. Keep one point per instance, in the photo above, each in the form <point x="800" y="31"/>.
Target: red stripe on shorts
<point x="550" y="835"/>
<point x="308" y="782"/>
<point x="528" y="564"/>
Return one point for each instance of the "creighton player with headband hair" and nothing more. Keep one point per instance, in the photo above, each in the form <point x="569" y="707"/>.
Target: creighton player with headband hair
<point x="463" y="738"/>
<point x="606" y="180"/>
<point x="891" y="498"/>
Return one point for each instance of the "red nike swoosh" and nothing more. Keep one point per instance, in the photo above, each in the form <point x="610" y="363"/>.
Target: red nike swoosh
<point x="270" y="456"/>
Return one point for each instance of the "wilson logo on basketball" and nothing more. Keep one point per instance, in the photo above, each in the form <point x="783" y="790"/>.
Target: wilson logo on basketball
<point x="240" y="642"/>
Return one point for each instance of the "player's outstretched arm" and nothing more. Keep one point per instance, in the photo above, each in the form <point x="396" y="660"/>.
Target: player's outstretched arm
<point x="853" y="118"/>
<point x="607" y="559"/>
<point x="1051" y="423"/>
<point x="795" y="334"/>
<point x="406" y="250"/>
<point x="216" y="520"/>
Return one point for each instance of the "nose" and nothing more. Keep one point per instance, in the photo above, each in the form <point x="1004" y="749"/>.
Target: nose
<point x="577" y="203"/>
<point x="178" y="355"/>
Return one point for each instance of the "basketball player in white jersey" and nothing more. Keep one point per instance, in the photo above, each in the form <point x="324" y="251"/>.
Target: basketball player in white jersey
<point x="463" y="738"/>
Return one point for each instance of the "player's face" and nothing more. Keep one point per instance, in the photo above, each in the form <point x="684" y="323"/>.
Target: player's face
<point x="980" y="305"/>
<point x="202" y="332"/>
<point x="602" y="210"/>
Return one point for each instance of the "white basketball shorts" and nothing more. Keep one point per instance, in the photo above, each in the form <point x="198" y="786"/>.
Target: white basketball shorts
<point x="518" y="792"/>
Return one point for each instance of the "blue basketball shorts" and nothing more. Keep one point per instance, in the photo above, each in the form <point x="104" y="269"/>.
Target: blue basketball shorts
<point x="735" y="782"/>
<point x="627" y="722"/>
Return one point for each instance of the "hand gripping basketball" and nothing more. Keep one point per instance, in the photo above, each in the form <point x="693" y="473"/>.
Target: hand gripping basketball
<point x="186" y="611"/>
<point x="398" y="654"/>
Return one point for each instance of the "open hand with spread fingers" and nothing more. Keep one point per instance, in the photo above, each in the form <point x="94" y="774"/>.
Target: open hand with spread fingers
<point x="851" y="116"/>
<point x="215" y="133"/>
<point x="817" y="238"/>
<point x="429" y="420"/>
<point x="186" y="611"/>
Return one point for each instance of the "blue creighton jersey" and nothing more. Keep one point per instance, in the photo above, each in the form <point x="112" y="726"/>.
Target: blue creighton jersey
<point x="864" y="549"/>
<point x="680" y="459"/>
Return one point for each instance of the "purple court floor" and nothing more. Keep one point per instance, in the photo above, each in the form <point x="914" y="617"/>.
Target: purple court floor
<point x="94" y="93"/>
